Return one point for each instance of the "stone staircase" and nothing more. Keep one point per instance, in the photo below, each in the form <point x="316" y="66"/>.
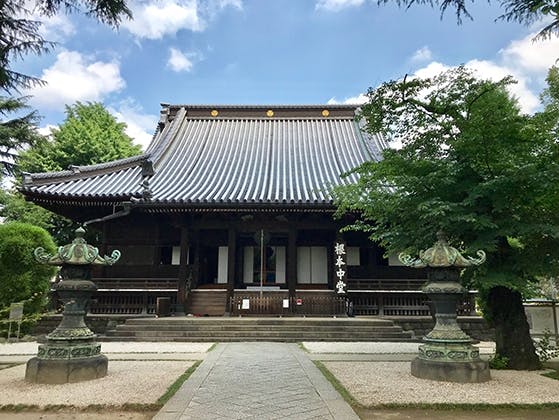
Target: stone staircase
<point x="207" y="302"/>
<point x="257" y="329"/>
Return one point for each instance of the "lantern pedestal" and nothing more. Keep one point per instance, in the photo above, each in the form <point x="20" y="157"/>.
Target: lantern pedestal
<point x="448" y="354"/>
<point x="71" y="353"/>
<point x="463" y="372"/>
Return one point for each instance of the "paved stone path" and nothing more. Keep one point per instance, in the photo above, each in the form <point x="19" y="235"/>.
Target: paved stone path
<point x="259" y="381"/>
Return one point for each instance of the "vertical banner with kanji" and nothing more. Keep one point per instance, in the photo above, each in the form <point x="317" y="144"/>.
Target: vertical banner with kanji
<point x="340" y="267"/>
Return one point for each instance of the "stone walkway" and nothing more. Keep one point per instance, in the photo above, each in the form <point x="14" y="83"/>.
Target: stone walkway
<point x="259" y="381"/>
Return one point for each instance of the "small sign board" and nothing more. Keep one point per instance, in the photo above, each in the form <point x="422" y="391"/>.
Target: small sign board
<point x="245" y="304"/>
<point x="16" y="315"/>
<point x="299" y="302"/>
<point x="16" y="311"/>
<point x="286" y="303"/>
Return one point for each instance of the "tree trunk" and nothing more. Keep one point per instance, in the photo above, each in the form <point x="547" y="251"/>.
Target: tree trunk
<point x="512" y="333"/>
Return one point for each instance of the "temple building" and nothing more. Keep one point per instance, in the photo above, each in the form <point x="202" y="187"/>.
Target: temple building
<point x="229" y="211"/>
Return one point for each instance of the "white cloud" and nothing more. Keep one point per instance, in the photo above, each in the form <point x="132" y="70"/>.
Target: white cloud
<point x="178" y="61"/>
<point x="352" y="100"/>
<point x="75" y="77"/>
<point x="525" y="60"/>
<point x="140" y="126"/>
<point x="531" y="56"/>
<point x="56" y="28"/>
<point x="155" y="19"/>
<point x="337" y="5"/>
<point x="422" y="54"/>
<point x="46" y="130"/>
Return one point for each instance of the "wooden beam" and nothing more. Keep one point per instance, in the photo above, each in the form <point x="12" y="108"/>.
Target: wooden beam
<point x="183" y="270"/>
<point x="231" y="253"/>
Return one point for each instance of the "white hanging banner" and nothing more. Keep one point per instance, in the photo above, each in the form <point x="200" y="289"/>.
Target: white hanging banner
<point x="340" y="267"/>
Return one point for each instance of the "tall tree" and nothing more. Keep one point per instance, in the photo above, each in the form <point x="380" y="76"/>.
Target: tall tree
<point x="88" y="135"/>
<point x="472" y="165"/>
<point x="521" y="11"/>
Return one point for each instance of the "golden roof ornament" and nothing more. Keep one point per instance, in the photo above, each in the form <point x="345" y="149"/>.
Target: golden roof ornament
<point x="442" y="255"/>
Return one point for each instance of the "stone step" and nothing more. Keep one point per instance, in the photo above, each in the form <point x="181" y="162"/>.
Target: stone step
<point x="258" y="329"/>
<point x="260" y="339"/>
<point x="258" y="321"/>
<point x="238" y="328"/>
<point x="278" y="334"/>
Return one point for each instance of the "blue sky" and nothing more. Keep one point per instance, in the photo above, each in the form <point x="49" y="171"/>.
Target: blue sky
<point x="270" y="52"/>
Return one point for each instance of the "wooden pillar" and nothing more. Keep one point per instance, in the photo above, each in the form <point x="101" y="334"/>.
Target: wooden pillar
<point x="195" y="240"/>
<point x="183" y="272"/>
<point x="292" y="261"/>
<point x="231" y="253"/>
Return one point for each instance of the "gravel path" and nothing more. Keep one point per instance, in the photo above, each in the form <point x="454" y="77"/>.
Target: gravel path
<point x="376" y="383"/>
<point x="126" y="382"/>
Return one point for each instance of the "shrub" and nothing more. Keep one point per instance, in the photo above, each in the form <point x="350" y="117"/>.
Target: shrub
<point x="498" y="362"/>
<point x="21" y="277"/>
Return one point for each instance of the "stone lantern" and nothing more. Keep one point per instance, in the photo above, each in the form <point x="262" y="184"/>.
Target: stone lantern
<point x="71" y="353"/>
<point x="447" y="353"/>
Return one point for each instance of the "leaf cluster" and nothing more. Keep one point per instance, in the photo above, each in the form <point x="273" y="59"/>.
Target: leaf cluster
<point x="470" y="164"/>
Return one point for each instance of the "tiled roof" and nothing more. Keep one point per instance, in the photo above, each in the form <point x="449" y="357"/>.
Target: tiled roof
<point x="228" y="156"/>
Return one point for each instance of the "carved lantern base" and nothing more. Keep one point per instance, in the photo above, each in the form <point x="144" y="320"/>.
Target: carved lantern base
<point x="463" y="372"/>
<point x="71" y="353"/>
<point x="448" y="354"/>
<point x="61" y="371"/>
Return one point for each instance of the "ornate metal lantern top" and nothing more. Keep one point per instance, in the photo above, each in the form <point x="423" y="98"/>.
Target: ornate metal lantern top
<point x="79" y="252"/>
<point x="442" y="255"/>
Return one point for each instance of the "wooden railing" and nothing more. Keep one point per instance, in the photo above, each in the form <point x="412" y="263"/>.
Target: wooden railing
<point x="121" y="283"/>
<point x="129" y="303"/>
<point x="386" y="284"/>
<point x="294" y="306"/>
<point x="403" y="303"/>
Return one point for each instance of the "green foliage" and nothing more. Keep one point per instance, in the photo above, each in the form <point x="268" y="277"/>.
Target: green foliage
<point x="498" y="362"/>
<point x="88" y="135"/>
<point x="175" y="386"/>
<point x="553" y="375"/>
<point x="15" y="132"/>
<point x="21" y="277"/>
<point x="14" y="208"/>
<point x="545" y="349"/>
<point x="27" y="322"/>
<point x="521" y="11"/>
<point x="472" y="165"/>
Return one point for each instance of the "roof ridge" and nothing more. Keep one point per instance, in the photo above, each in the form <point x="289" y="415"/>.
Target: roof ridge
<point x="78" y="171"/>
